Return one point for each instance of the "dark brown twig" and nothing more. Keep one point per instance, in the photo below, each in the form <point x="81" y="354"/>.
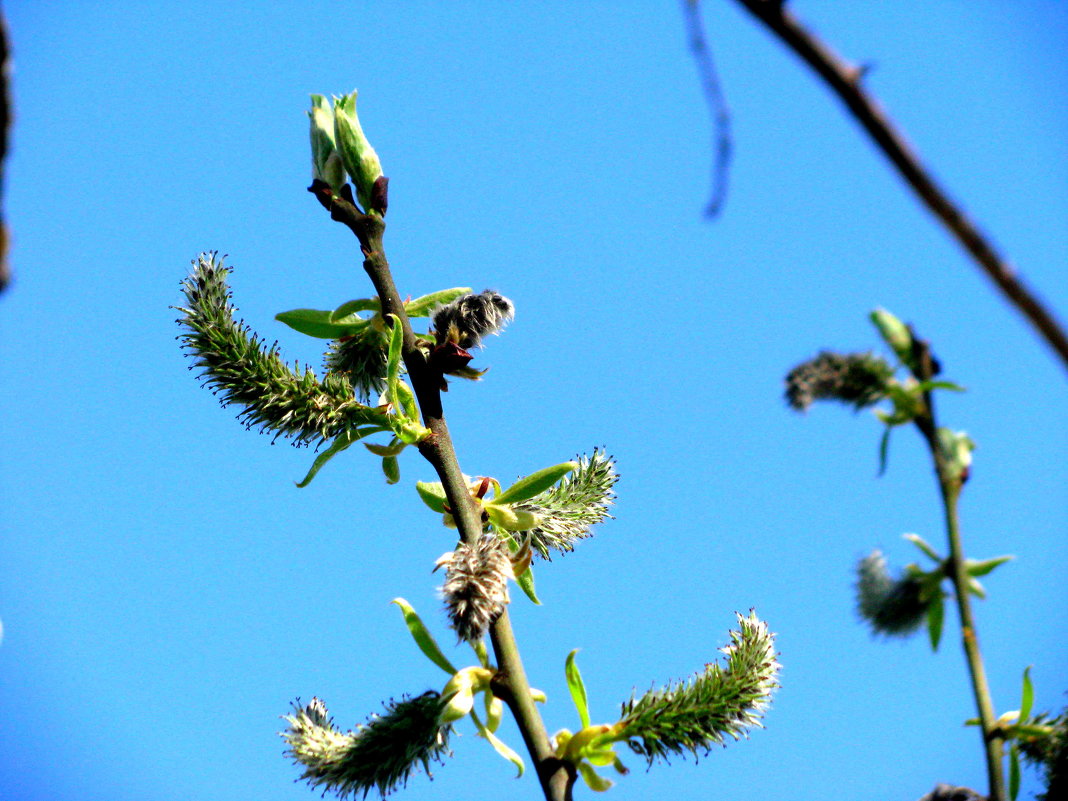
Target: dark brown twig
<point x="845" y="80"/>
<point x="5" y="130"/>
<point x="557" y="777"/>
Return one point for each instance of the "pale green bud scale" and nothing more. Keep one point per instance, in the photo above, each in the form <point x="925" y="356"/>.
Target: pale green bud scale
<point x="326" y="162"/>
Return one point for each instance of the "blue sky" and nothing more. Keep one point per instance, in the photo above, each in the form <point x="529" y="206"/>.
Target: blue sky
<point x="166" y="591"/>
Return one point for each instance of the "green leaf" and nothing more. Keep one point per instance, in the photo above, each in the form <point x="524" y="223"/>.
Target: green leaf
<point x="320" y="324"/>
<point x="423" y="638"/>
<point x="884" y="449"/>
<point x="593" y="780"/>
<point x="393" y="362"/>
<point x="494" y="710"/>
<point x="924" y="546"/>
<point x="499" y="746"/>
<point x="1031" y="730"/>
<point x="391" y="469"/>
<point x="479" y="647"/>
<point x="927" y="386"/>
<point x="407" y="401"/>
<point x="936" y="611"/>
<point x="352" y="306"/>
<point x="1014" y="771"/>
<point x="525" y="580"/>
<point x="340" y="443"/>
<point x="984" y="566"/>
<point x="535" y="483"/>
<point x="394" y="448"/>
<point x="421" y="307"/>
<point x="577" y="688"/>
<point x="976" y="589"/>
<point x="409" y="432"/>
<point x="433" y="495"/>
<point x="1027" y="695"/>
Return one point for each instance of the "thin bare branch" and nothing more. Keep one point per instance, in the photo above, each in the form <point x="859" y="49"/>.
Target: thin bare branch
<point x="845" y="80"/>
<point x="5" y="132"/>
<point x="717" y="107"/>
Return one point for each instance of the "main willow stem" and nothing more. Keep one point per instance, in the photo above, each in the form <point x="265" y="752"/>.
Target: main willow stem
<point x="556" y="776"/>
<point x="950" y="485"/>
<point x="992" y="741"/>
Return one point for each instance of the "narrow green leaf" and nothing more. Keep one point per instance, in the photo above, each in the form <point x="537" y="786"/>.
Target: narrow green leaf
<point x="927" y="386"/>
<point x="526" y="488"/>
<point x="340" y="443"/>
<point x="494" y="710"/>
<point x="976" y="589"/>
<point x="884" y="450"/>
<point x="1014" y="771"/>
<point x="320" y="324"/>
<point x="924" y="546"/>
<point x="577" y="688"/>
<point x="479" y="647"/>
<point x="421" y="307"/>
<point x="1027" y="695"/>
<point x="525" y="580"/>
<point x="936" y="611"/>
<point x="352" y="306"/>
<point x="393" y="362"/>
<point x="499" y="746"/>
<point x="391" y="469"/>
<point x="394" y="448"/>
<point x="593" y="780"/>
<point x="433" y="495"/>
<point x="984" y="566"/>
<point x="408" y="431"/>
<point x="1031" y="730"/>
<point x="407" y="401"/>
<point x="423" y="638"/>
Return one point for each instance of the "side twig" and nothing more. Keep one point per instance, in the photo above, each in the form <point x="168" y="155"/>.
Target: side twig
<point x="556" y="776"/>
<point x="717" y="107"/>
<point x="844" y="79"/>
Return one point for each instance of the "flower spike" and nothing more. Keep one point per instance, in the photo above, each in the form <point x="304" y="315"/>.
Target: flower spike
<point x="380" y="754"/>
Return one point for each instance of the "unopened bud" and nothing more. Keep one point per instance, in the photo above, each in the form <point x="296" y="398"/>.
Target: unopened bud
<point x="326" y="162"/>
<point x="360" y="160"/>
<point x="895" y="333"/>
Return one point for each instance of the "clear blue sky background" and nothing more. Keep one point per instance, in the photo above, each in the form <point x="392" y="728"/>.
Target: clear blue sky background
<point x="166" y="591"/>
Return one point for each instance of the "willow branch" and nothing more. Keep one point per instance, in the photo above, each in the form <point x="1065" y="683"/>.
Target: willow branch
<point x="950" y="485"/>
<point x="844" y="79"/>
<point x="556" y="777"/>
